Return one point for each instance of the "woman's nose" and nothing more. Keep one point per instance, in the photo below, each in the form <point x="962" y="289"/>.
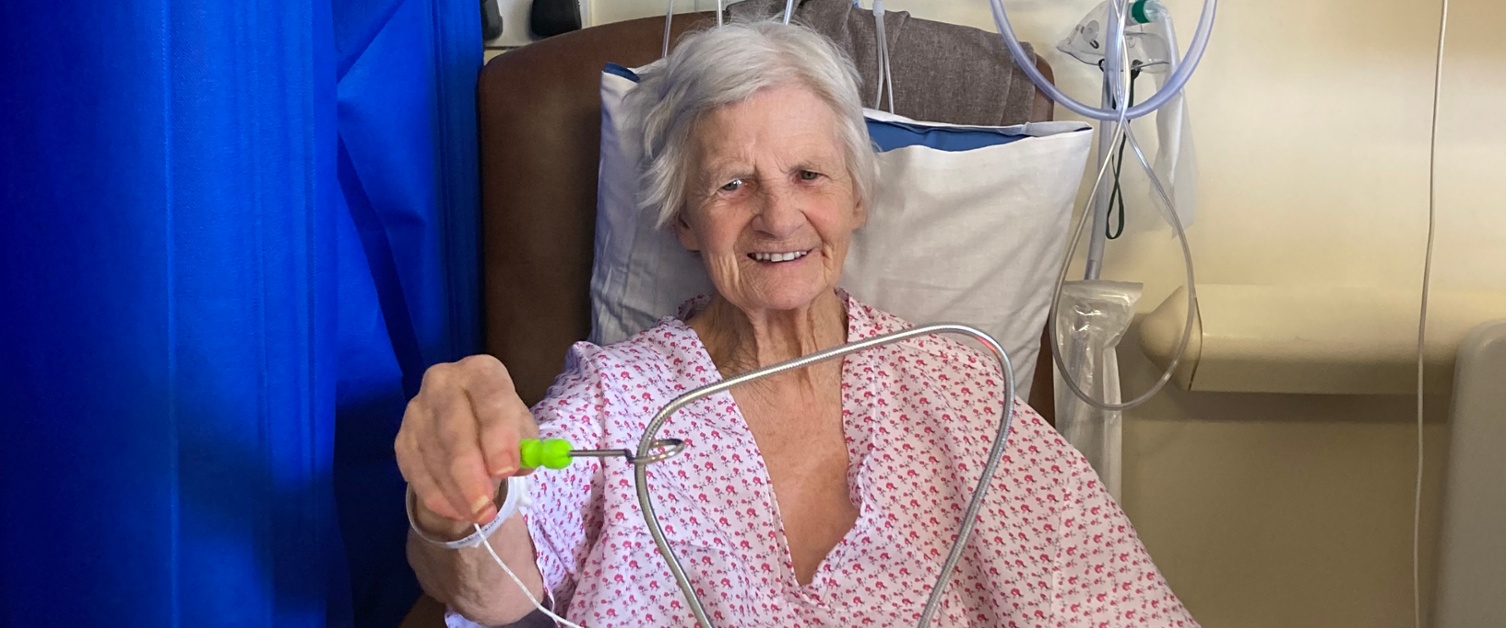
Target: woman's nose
<point x="780" y="214"/>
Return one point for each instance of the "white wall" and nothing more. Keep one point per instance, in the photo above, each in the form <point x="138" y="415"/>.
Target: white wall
<point x="605" y="11"/>
<point x="1312" y="128"/>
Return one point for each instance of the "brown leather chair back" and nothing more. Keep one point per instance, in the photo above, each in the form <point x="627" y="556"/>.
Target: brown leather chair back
<point x="540" y="123"/>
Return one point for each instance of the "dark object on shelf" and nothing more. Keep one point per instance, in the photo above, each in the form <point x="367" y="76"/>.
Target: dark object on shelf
<point x="491" y="20"/>
<point x="548" y="18"/>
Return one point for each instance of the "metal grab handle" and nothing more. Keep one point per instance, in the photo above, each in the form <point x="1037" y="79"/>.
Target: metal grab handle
<point x="969" y="519"/>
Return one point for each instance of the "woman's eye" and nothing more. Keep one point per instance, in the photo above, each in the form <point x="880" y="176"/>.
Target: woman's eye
<point x="809" y="175"/>
<point x="733" y="185"/>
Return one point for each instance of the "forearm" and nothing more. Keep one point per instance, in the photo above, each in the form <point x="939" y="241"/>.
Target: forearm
<point x="469" y="580"/>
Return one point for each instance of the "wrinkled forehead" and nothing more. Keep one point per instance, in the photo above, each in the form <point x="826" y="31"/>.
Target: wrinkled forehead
<point x="786" y="124"/>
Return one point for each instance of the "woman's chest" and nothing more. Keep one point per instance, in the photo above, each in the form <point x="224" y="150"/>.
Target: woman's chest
<point x="902" y="454"/>
<point x="911" y="461"/>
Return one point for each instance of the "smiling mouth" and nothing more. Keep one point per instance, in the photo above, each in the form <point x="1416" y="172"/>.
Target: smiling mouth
<point x="776" y="258"/>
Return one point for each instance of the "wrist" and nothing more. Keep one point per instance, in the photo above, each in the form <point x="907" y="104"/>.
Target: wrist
<point x="438" y="527"/>
<point x="513" y="496"/>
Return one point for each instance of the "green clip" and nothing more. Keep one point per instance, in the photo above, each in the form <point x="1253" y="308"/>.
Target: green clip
<point x="550" y="453"/>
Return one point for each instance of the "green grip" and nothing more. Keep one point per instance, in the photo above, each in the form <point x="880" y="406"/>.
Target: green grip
<point x="550" y="453"/>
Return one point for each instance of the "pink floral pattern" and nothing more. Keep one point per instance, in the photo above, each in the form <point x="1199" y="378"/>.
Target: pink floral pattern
<point x="1051" y="547"/>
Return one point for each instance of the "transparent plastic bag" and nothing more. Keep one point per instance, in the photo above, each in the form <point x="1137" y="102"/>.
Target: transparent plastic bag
<point x="1146" y="46"/>
<point x="1090" y="321"/>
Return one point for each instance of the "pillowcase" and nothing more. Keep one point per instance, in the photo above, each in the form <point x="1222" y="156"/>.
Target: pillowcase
<point x="968" y="225"/>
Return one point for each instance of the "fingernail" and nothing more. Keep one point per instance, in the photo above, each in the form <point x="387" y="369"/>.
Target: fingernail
<point x="502" y="470"/>
<point x="480" y="504"/>
<point x="486" y="515"/>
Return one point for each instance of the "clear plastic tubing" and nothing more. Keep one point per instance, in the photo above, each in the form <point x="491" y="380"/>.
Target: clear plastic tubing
<point x="1174" y="83"/>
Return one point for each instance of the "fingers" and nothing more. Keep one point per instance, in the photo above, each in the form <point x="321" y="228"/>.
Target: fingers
<point x="503" y="422"/>
<point x="436" y="434"/>
<point x="459" y="438"/>
<point x="456" y="460"/>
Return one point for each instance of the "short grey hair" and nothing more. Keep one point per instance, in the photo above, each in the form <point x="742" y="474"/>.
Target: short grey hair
<point x="727" y="65"/>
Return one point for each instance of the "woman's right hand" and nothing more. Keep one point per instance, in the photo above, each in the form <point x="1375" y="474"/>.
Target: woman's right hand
<point x="459" y="441"/>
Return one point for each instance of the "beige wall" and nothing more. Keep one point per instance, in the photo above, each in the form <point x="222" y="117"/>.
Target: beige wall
<point x="1312" y="128"/>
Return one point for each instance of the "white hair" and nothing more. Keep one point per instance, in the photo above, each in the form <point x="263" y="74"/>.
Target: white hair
<point x="728" y="65"/>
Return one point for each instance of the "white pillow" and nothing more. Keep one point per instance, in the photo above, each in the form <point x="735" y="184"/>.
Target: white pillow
<point x="968" y="225"/>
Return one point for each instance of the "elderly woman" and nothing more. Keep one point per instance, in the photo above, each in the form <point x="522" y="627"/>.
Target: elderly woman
<point x="827" y="496"/>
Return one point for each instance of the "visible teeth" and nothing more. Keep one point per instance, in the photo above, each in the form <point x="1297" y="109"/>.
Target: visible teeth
<point x="779" y="257"/>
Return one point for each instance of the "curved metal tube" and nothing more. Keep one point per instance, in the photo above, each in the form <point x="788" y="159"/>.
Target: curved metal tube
<point x="969" y="519"/>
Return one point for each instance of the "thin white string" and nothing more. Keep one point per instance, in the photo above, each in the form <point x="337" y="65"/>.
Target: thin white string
<point x="669" y="18"/>
<point x="885" y="76"/>
<point x="1422" y="321"/>
<point x="878" y="26"/>
<point x="488" y="545"/>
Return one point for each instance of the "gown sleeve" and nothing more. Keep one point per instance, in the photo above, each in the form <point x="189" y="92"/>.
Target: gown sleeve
<point x="566" y="518"/>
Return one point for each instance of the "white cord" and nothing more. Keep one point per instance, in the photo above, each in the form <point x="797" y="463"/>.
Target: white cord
<point x="1422" y="320"/>
<point x="488" y="545"/>
<point x="789" y="9"/>
<point x="718" y="13"/>
<point x="669" y="18"/>
<point x="884" y="74"/>
<point x="878" y="25"/>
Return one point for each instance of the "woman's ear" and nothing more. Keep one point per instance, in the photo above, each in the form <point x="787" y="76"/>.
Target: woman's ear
<point x="860" y="210"/>
<point x="685" y="234"/>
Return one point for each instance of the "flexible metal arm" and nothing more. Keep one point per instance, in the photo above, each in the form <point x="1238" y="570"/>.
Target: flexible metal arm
<point x="648" y="443"/>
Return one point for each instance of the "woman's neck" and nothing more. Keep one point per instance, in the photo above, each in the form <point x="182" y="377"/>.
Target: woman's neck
<point x="740" y="341"/>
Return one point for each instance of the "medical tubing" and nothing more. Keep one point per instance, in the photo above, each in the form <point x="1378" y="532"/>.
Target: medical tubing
<point x="1422" y="315"/>
<point x="669" y="18"/>
<point x="1115" y="57"/>
<point x="789" y="9"/>
<point x="995" y="454"/>
<point x="1123" y="130"/>
<point x="878" y="25"/>
<point x="1173" y="84"/>
<point x="719" y="10"/>
<point x="1192" y="309"/>
<point x="886" y="75"/>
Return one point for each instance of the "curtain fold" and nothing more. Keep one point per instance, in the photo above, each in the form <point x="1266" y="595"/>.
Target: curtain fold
<point x="203" y="359"/>
<point x="408" y="173"/>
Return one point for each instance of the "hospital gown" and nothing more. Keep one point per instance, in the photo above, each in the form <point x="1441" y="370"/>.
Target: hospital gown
<point x="1051" y="547"/>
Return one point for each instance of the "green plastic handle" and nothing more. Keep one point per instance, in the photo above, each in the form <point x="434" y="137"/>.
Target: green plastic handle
<point x="550" y="453"/>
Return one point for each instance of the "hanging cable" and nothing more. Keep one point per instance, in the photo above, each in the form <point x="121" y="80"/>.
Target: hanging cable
<point x="669" y="18"/>
<point x="1116" y="199"/>
<point x="1422" y="318"/>
<point x="885" y="75"/>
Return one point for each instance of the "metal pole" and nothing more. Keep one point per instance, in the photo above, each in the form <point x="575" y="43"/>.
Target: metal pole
<point x="1113" y="74"/>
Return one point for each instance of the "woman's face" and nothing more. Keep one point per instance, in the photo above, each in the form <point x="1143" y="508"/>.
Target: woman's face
<point x="770" y="205"/>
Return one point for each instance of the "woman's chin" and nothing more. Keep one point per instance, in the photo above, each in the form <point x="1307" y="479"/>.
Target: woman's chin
<point x="777" y="287"/>
<point x="785" y="298"/>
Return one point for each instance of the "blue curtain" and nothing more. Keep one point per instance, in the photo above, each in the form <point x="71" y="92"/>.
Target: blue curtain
<point x="231" y="237"/>
<point x="406" y="150"/>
